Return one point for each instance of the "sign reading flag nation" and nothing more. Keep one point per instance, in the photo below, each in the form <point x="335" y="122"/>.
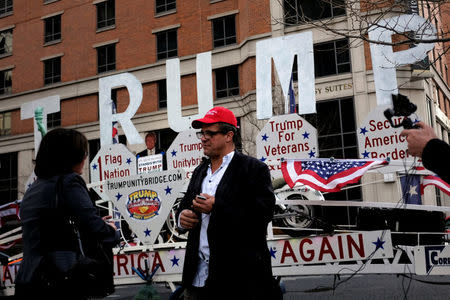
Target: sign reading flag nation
<point x="326" y="175"/>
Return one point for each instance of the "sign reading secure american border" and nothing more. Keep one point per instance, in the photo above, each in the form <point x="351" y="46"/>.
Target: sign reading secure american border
<point x="145" y="200"/>
<point x="377" y="139"/>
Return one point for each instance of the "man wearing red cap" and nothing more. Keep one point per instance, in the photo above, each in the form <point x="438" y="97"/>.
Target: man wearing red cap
<point x="227" y="207"/>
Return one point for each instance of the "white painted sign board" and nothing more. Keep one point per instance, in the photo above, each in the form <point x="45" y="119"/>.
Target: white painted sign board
<point x="432" y="260"/>
<point x="339" y="247"/>
<point x="377" y="139"/>
<point x="151" y="163"/>
<point x="112" y="161"/>
<point x="145" y="200"/>
<point x="185" y="152"/>
<point x="286" y="136"/>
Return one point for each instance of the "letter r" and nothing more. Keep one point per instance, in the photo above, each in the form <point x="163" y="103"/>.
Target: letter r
<point x="134" y="87"/>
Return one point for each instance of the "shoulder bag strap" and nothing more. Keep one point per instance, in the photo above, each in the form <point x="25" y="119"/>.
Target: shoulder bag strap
<point x="59" y="199"/>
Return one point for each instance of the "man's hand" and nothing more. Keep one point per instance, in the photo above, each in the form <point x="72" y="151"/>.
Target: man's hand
<point x="188" y="219"/>
<point x="106" y="218"/>
<point x="203" y="205"/>
<point x="418" y="138"/>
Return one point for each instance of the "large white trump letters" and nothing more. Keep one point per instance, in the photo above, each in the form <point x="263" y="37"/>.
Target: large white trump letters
<point x="282" y="50"/>
<point x="385" y="60"/>
<point x="204" y="91"/>
<point x="134" y="88"/>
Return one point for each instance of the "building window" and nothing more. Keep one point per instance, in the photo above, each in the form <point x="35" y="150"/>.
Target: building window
<point x="166" y="44"/>
<point x="438" y="196"/>
<point x="106" y="58"/>
<point x="446" y="73"/>
<point x="224" y="31"/>
<point x="8" y="177"/>
<point x="52" y="70"/>
<point x="6" y="6"/>
<point x="332" y="58"/>
<point x="430" y="111"/>
<point x="227" y="82"/>
<point x="6" y="42"/>
<point x="162" y="94"/>
<point x="114" y="100"/>
<point x="5" y="82"/>
<point x="336" y="130"/>
<point x="52" y="29"/>
<point x="165" y="5"/>
<point x="106" y="15"/>
<point x="303" y="11"/>
<point x="5" y="123"/>
<point x="54" y="120"/>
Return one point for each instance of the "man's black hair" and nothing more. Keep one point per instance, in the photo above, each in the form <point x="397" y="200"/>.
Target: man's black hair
<point x="225" y="128"/>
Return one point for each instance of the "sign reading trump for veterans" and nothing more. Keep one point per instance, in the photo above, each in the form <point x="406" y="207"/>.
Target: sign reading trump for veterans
<point x="145" y="200"/>
<point x="378" y="139"/>
<point x="286" y="136"/>
<point x="112" y="161"/>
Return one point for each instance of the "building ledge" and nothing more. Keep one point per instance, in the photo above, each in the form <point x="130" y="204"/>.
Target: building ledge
<point x="111" y="27"/>
<point x="52" y="42"/>
<point x="166" y="13"/>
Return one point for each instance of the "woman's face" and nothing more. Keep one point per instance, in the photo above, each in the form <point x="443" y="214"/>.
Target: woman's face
<point x="78" y="168"/>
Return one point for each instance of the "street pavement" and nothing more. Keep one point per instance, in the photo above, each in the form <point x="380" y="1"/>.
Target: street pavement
<point x="320" y="287"/>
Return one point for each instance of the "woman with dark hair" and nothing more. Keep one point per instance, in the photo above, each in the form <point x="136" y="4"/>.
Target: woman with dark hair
<point x="59" y="194"/>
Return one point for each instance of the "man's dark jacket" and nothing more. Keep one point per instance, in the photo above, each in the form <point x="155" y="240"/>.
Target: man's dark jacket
<point x="436" y="157"/>
<point x="240" y="262"/>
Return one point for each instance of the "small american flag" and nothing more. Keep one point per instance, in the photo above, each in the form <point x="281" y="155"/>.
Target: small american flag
<point x="115" y="130"/>
<point x="292" y="106"/>
<point x="326" y="175"/>
<point x="9" y="212"/>
<point x="437" y="181"/>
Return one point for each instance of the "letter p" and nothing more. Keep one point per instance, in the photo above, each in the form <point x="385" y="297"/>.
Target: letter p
<point x="385" y="60"/>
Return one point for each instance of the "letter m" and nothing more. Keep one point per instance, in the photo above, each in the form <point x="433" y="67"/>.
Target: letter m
<point x="283" y="50"/>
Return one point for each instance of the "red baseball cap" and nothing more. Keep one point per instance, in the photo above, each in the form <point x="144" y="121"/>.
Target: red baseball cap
<point x="215" y="115"/>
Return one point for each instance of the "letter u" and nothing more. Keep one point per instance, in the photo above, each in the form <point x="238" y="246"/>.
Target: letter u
<point x="204" y="91"/>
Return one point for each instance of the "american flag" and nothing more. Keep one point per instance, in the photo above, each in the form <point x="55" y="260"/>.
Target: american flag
<point x="115" y="130"/>
<point x="411" y="189"/>
<point x="326" y="175"/>
<point x="437" y="181"/>
<point x="9" y="212"/>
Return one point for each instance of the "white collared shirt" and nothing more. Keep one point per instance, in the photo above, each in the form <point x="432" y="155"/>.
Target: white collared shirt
<point x="209" y="186"/>
<point x="151" y="151"/>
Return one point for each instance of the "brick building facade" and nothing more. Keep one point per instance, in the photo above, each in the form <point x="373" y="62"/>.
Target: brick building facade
<point x="61" y="47"/>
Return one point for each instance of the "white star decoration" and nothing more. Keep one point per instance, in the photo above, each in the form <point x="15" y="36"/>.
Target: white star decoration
<point x="412" y="190"/>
